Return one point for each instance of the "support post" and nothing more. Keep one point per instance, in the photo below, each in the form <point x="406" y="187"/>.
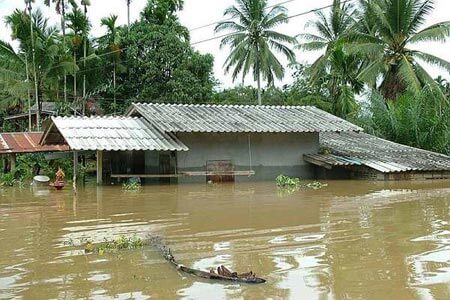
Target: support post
<point x="75" y="168"/>
<point x="13" y="162"/>
<point x="99" y="167"/>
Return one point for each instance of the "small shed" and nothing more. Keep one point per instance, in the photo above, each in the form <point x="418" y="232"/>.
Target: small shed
<point x="20" y="120"/>
<point x="14" y="143"/>
<point x="124" y="141"/>
<point x="361" y="155"/>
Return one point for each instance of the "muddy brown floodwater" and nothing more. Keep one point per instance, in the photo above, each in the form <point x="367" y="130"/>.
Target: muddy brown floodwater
<point x="350" y="240"/>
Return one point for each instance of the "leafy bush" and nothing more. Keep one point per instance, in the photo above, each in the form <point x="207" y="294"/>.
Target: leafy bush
<point x="8" y="179"/>
<point x="419" y="120"/>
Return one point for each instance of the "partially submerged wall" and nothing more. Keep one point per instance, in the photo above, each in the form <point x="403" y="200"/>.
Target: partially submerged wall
<point x="268" y="154"/>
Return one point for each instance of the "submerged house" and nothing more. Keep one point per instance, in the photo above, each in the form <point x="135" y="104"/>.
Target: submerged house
<point x="184" y="143"/>
<point x="200" y="142"/>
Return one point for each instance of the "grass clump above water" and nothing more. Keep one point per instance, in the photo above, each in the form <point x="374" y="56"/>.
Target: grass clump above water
<point x="114" y="245"/>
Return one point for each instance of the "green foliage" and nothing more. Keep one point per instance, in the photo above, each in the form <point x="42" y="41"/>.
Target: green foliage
<point x="115" y="245"/>
<point x="163" y="65"/>
<point x="253" y="40"/>
<point x="131" y="185"/>
<point x="8" y="179"/>
<point x="386" y="32"/>
<point x="286" y="181"/>
<point x="420" y="120"/>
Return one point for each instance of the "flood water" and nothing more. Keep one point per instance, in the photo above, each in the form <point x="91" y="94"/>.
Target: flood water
<point x="350" y="240"/>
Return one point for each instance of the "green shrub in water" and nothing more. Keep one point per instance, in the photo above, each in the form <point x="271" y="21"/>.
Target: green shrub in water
<point x="8" y="179"/>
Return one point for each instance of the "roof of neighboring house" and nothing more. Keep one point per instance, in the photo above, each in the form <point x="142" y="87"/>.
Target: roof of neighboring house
<point x="362" y="149"/>
<point x="26" y="142"/>
<point x="48" y="108"/>
<point x="110" y="133"/>
<point x="239" y="118"/>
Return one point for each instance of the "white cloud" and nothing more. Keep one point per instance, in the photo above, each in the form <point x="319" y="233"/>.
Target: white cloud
<point x="200" y="12"/>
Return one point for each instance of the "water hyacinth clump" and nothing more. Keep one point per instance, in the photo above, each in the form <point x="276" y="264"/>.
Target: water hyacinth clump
<point x="286" y="181"/>
<point x="114" y="245"/>
<point x="293" y="184"/>
<point x="132" y="186"/>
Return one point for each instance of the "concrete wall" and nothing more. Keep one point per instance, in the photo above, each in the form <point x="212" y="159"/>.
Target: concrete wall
<point x="271" y="153"/>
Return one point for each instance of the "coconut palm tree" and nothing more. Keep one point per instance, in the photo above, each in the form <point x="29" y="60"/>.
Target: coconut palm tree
<point x="329" y="31"/>
<point x="338" y="69"/>
<point x="112" y="39"/>
<point x="253" y="40"/>
<point x="387" y="44"/>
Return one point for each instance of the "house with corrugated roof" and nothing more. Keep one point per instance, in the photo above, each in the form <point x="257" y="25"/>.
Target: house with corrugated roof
<point x="200" y="142"/>
<point x="186" y="143"/>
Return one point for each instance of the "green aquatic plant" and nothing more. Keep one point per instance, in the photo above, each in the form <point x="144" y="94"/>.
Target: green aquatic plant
<point x="286" y="181"/>
<point x="114" y="245"/>
<point x="131" y="186"/>
<point x="316" y="185"/>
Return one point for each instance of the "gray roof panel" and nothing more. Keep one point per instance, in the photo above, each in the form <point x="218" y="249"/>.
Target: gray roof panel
<point x="115" y="134"/>
<point x="351" y="148"/>
<point x="239" y="118"/>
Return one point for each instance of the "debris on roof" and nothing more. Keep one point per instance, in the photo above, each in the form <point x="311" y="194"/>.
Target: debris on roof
<point x="239" y="118"/>
<point x="110" y="134"/>
<point x="362" y="149"/>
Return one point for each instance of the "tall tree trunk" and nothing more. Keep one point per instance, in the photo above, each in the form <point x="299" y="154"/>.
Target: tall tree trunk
<point x="30" y="125"/>
<point x="258" y="80"/>
<point x="36" y="94"/>
<point x="74" y="82"/>
<point x="114" y="87"/>
<point x="128" y="14"/>
<point x="63" y="28"/>
<point x="84" y="64"/>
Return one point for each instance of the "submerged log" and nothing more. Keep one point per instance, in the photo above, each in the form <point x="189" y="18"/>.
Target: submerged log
<point x="222" y="272"/>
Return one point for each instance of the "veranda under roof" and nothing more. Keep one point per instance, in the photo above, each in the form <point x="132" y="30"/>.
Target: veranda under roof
<point x="109" y="134"/>
<point x="362" y="149"/>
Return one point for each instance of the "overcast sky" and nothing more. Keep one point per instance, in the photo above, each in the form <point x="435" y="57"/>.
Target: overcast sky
<point x="200" y="12"/>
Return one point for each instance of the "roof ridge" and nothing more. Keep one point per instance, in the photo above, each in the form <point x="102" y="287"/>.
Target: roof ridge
<point x="219" y="105"/>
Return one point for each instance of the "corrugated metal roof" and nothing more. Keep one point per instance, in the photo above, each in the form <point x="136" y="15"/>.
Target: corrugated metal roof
<point x="239" y="118"/>
<point x="26" y="142"/>
<point x="115" y="134"/>
<point x="350" y="148"/>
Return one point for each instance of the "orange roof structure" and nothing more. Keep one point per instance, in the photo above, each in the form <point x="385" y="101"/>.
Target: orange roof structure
<point x="26" y="142"/>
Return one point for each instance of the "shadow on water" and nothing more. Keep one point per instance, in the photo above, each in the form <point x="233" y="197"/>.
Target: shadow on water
<point x="351" y="239"/>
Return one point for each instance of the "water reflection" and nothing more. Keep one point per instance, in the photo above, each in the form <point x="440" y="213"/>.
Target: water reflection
<point x="349" y="240"/>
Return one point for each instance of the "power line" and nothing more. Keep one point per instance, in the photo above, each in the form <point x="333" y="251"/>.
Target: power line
<point x="289" y="17"/>
<point x="229" y="19"/>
